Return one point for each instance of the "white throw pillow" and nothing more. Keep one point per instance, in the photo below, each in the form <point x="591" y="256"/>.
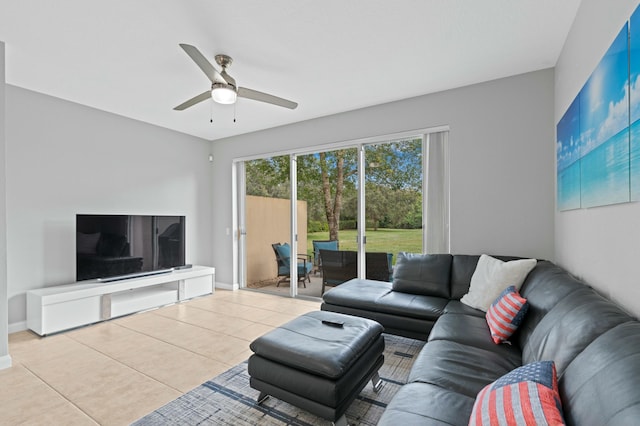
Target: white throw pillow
<point x="492" y="276"/>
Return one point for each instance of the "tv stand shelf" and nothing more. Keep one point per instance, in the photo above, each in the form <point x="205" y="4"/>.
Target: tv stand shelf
<point x="58" y="308"/>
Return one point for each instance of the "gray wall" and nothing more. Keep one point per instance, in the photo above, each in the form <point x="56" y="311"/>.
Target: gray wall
<point x="501" y="161"/>
<point x="5" y="360"/>
<point x="64" y="158"/>
<point x="600" y="245"/>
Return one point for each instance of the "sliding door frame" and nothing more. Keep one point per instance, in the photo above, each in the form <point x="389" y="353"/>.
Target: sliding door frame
<point x="239" y="192"/>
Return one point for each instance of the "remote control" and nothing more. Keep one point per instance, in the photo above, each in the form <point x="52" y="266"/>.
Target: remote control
<point x="338" y="324"/>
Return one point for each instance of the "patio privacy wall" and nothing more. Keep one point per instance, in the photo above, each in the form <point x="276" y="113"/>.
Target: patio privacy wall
<point x="268" y="222"/>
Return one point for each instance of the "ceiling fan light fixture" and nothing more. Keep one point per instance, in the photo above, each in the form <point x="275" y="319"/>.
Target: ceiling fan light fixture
<point x="223" y="93"/>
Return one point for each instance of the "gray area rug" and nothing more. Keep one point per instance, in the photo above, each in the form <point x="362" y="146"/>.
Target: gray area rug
<point x="228" y="400"/>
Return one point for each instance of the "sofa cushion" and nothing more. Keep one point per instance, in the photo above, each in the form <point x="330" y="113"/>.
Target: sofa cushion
<point x="543" y="288"/>
<point x="492" y="276"/>
<point x="357" y="293"/>
<point x="505" y="314"/>
<point x="426" y="404"/>
<point x="462" y="269"/>
<point x="470" y="330"/>
<point x="526" y="395"/>
<point x="412" y="305"/>
<point x="457" y="307"/>
<point x="572" y="324"/>
<point x="461" y="368"/>
<point x="426" y="274"/>
<point x="600" y="386"/>
<point x="377" y="296"/>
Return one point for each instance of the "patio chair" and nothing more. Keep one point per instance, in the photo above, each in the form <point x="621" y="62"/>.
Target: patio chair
<point x="283" y="258"/>
<point x="322" y="245"/>
<point x="338" y="266"/>
<point x="379" y="266"/>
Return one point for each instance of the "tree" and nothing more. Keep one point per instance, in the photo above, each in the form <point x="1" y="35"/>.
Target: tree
<point x="328" y="182"/>
<point x="335" y="168"/>
<point x="322" y="181"/>
<point x="268" y="177"/>
<point x="395" y="165"/>
<point x="393" y="183"/>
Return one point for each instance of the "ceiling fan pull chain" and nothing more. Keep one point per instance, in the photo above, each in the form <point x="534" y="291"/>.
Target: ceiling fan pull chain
<point x="234" y="111"/>
<point x="211" y="112"/>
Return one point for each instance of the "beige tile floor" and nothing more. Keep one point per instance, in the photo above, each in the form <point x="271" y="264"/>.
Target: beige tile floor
<point x="115" y="372"/>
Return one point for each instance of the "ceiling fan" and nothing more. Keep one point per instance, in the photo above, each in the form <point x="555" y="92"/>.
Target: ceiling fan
<point x="224" y="89"/>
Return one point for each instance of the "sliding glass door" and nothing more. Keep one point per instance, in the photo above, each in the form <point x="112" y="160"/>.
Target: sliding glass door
<point x="393" y="203"/>
<point x="266" y="230"/>
<point x="369" y="199"/>
<point x="327" y="184"/>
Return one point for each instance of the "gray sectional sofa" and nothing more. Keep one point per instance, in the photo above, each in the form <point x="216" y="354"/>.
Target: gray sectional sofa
<point x="595" y="345"/>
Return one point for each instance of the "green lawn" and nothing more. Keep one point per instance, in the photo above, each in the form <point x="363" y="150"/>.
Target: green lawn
<point x="384" y="240"/>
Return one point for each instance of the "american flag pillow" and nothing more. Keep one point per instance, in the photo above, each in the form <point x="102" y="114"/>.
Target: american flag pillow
<point x="505" y="314"/>
<point x="527" y="395"/>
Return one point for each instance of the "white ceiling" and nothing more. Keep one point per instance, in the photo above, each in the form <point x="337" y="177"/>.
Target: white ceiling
<point x="330" y="56"/>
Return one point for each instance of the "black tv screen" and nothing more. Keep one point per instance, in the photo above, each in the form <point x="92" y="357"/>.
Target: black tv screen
<point x="118" y="246"/>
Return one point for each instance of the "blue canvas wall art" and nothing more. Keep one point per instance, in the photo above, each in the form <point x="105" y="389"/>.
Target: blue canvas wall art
<point x="568" y="155"/>
<point x="634" y="95"/>
<point x="593" y="145"/>
<point x="604" y="128"/>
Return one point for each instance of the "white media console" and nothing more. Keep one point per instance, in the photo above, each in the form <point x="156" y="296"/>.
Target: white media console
<point x="58" y="308"/>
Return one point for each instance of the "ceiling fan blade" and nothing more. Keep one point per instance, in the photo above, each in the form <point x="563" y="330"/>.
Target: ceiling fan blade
<point x="203" y="63"/>
<point x="195" y="100"/>
<point x="264" y="97"/>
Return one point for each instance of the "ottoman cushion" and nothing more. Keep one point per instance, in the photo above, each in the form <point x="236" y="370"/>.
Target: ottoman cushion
<point x="306" y="344"/>
<point x="323" y="390"/>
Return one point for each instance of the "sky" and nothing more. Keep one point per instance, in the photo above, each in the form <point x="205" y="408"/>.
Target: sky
<point x="569" y="136"/>
<point x="634" y="66"/>
<point x="604" y="99"/>
<point x="601" y="109"/>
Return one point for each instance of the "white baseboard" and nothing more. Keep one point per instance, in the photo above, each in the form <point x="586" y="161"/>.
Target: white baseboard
<point x="225" y="286"/>
<point x="5" y="362"/>
<point x="17" y="326"/>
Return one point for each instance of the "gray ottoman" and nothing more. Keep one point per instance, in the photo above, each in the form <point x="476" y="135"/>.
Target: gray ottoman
<point x="319" y="362"/>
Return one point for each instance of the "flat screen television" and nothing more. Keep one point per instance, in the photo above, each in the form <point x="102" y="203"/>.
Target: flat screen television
<point x="112" y="247"/>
